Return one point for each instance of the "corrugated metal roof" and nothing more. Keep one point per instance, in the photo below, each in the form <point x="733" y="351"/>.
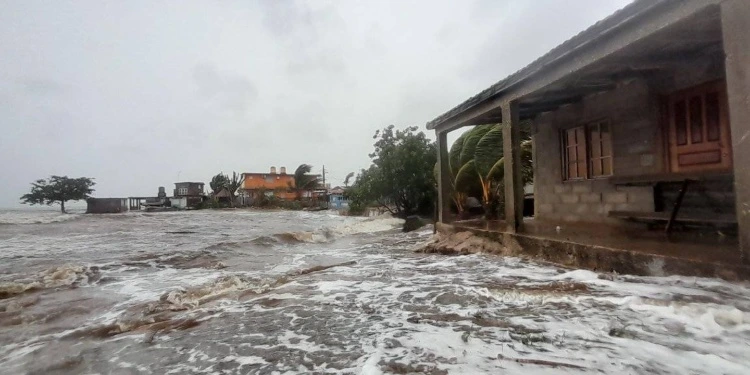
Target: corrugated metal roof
<point x="617" y="19"/>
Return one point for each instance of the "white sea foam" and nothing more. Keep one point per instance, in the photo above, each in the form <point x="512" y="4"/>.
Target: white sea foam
<point x="369" y="225"/>
<point x="330" y="233"/>
<point x="35" y="217"/>
<point x="390" y="312"/>
<point x="577" y="275"/>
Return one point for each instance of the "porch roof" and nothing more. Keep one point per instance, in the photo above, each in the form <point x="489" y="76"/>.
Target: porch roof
<point x="660" y="34"/>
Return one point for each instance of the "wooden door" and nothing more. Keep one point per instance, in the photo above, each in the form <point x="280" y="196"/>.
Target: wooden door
<point x="699" y="138"/>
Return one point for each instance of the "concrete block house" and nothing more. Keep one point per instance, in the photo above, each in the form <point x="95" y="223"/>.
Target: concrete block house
<point x="336" y="199"/>
<point x="643" y="117"/>
<point x="106" y="205"/>
<point x="278" y="184"/>
<point x="274" y="184"/>
<point x="187" y="195"/>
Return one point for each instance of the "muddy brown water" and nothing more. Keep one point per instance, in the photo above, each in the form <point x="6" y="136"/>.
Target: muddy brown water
<point x="225" y="292"/>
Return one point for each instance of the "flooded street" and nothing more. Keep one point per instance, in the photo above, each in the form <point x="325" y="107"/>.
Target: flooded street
<point x="225" y="292"/>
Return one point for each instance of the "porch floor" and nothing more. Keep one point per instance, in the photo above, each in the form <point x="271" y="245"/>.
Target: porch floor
<point x="708" y="246"/>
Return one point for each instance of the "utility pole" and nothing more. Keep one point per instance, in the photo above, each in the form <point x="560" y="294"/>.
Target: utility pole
<point x="324" y="186"/>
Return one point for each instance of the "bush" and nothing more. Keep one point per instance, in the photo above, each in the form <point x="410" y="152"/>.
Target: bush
<point x="401" y="177"/>
<point x="356" y="208"/>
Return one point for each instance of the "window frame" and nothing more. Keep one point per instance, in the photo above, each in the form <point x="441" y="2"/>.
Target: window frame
<point x="589" y="150"/>
<point x="586" y="143"/>
<point x="565" y="152"/>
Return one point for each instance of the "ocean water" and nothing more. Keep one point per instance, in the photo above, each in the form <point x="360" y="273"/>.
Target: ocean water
<point x="244" y="292"/>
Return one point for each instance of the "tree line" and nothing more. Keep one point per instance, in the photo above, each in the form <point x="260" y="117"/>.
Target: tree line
<point x="402" y="176"/>
<point x="62" y="189"/>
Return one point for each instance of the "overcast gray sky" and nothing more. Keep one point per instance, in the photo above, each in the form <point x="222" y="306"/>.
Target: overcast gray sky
<point x="139" y="94"/>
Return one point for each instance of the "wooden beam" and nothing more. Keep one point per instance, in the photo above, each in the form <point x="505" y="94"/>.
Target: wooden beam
<point x="444" y="178"/>
<point x="735" y="21"/>
<point x="512" y="163"/>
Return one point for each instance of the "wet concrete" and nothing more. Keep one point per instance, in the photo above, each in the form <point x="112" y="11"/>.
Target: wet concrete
<point x="608" y="249"/>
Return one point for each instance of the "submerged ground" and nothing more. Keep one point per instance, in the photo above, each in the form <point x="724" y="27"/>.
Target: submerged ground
<point x="222" y="292"/>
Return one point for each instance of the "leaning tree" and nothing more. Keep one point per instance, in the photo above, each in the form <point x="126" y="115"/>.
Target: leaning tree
<point x="218" y="183"/>
<point x="59" y="189"/>
<point x="303" y="180"/>
<point x="400" y="178"/>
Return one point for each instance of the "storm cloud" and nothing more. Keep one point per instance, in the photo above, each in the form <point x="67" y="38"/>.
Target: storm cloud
<point x="140" y="93"/>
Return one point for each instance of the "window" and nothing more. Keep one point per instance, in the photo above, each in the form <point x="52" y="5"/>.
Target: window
<point x="182" y="191"/>
<point x="600" y="149"/>
<point x="587" y="151"/>
<point x="574" y="144"/>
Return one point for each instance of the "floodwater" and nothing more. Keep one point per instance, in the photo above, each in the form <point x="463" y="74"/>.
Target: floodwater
<point x="243" y="292"/>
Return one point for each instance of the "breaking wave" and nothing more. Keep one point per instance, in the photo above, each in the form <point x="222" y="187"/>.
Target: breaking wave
<point x="186" y="307"/>
<point x="222" y="293"/>
<point x="370" y="225"/>
<point x="55" y="277"/>
<point x="32" y="217"/>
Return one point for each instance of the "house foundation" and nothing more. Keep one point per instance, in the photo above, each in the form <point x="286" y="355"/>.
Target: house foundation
<point x="580" y="247"/>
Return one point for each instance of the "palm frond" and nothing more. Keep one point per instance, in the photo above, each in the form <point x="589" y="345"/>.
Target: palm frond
<point x="488" y="150"/>
<point x="497" y="171"/>
<point x="470" y="142"/>
<point x="466" y="178"/>
<point x="454" y="155"/>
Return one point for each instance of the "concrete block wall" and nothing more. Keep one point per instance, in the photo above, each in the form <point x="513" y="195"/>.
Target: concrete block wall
<point x="633" y="111"/>
<point x="106" y="205"/>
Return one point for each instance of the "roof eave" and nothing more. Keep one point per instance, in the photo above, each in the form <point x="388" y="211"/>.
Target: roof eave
<point x="626" y="15"/>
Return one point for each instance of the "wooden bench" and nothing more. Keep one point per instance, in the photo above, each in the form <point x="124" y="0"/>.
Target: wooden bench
<point x="672" y="216"/>
<point x="655" y="179"/>
<point x="722" y="219"/>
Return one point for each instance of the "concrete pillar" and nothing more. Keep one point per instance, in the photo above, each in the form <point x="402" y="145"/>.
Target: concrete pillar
<point x="444" y="178"/>
<point x="512" y="164"/>
<point x="534" y="159"/>
<point x="735" y="24"/>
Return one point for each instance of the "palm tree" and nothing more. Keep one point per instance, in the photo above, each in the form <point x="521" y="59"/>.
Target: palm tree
<point x="348" y="178"/>
<point x="303" y="181"/>
<point x="232" y="185"/>
<point x="218" y="183"/>
<point x="477" y="167"/>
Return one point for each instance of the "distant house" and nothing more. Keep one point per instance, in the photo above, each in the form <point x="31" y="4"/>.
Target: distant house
<point x="336" y="199"/>
<point x="106" y="205"/>
<point x="223" y="196"/>
<point x="338" y="190"/>
<point x="270" y="184"/>
<point x="187" y="194"/>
